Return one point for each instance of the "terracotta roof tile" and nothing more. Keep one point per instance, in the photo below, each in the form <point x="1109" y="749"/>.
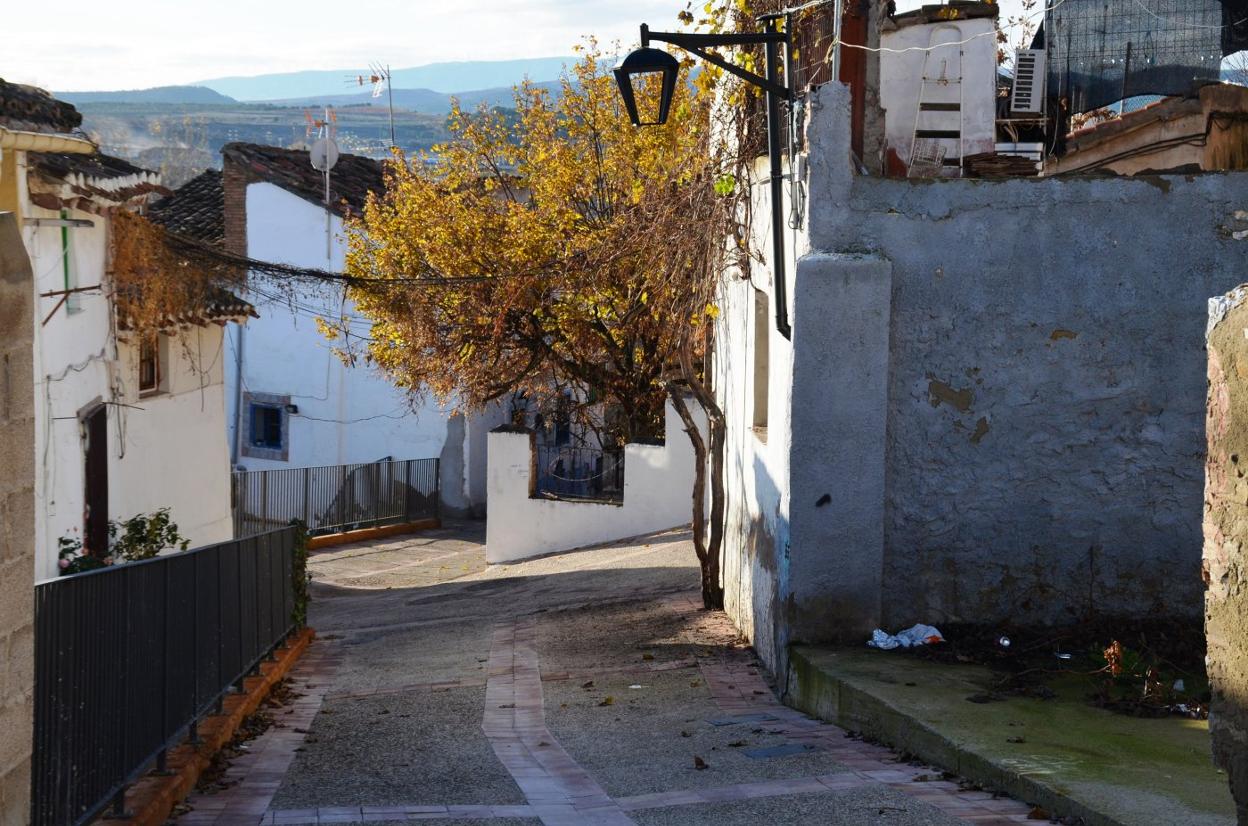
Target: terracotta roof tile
<point x="89" y="182"/>
<point x="352" y="178"/>
<point x="196" y="209"/>
<point x="97" y="166"/>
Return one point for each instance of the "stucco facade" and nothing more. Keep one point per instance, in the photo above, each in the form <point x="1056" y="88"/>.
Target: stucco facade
<point x="963" y="54"/>
<point x="332" y="413"/>
<point x="995" y="395"/>
<point x="165" y="448"/>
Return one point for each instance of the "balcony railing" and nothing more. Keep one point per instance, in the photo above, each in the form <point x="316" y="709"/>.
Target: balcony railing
<point x="129" y="658"/>
<point x="580" y="473"/>
<point x="336" y="498"/>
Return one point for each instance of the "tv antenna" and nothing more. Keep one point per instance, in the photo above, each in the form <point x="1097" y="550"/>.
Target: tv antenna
<point x="379" y="76"/>
<point x="323" y="154"/>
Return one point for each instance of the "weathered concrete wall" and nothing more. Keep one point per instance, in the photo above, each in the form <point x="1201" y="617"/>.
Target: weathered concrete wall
<point x="837" y="465"/>
<point x="1226" y="535"/>
<point x="1045" y="446"/>
<point x="17" y="524"/>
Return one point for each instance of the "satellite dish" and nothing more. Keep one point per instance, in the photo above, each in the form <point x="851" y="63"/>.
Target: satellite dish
<point x="324" y="154"/>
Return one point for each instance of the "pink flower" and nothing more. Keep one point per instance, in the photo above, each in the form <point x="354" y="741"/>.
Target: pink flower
<point x="64" y="563"/>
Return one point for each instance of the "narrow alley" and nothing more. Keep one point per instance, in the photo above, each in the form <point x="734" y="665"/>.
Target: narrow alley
<point x="586" y="687"/>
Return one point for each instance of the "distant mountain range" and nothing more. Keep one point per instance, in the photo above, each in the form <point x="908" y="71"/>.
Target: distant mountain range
<point x="180" y="129"/>
<point x="446" y="78"/>
<point x="420" y="100"/>
<point x="157" y="94"/>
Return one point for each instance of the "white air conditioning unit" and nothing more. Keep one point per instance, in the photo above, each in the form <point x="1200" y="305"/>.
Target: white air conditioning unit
<point x="1027" y="96"/>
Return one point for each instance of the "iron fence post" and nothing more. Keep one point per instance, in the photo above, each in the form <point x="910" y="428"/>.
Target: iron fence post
<point x="376" y="490"/>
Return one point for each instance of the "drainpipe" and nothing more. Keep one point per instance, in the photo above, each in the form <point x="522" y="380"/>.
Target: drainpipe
<point x="771" y="57"/>
<point x="236" y="449"/>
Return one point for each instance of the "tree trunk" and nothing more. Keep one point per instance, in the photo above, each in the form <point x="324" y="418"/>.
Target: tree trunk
<point x="707" y="544"/>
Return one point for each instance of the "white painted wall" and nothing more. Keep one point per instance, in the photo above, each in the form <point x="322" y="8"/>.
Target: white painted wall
<point x="756" y="475"/>
<point x="975" y="61"/>
<point x="166" y="450"/>
<point x="175" y="449"/>
<point x="345" y="414"/>
<point x="658" y="484"/>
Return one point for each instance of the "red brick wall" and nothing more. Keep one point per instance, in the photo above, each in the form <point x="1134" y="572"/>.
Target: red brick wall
<point x="234" y="180"/>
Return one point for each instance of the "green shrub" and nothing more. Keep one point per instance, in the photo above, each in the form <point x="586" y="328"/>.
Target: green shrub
<point x="142" y="536"/>
<point x="300" y="575"/>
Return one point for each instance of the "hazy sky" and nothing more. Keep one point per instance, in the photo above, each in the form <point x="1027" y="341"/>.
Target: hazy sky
<point x="75" y="45"/>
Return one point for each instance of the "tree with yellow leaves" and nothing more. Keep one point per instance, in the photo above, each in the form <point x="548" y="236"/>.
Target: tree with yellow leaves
<point x="559" y="244"/>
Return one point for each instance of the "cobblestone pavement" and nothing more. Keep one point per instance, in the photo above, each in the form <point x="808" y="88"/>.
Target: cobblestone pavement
<point x="586" y="687"/>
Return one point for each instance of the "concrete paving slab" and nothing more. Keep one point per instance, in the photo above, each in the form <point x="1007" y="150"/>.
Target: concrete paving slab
<point x="399" y="749"/>
<point x="876" y="805"/>
<point x="1073" y="759"/>
<point x="610" y="741"/>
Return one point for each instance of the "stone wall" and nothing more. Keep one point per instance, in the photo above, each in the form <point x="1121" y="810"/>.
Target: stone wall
<point x="1226" y="533"/>
<point x="17" y="525"/>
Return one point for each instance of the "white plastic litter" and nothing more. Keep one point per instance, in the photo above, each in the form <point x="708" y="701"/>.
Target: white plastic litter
<point x="910" y="638"/>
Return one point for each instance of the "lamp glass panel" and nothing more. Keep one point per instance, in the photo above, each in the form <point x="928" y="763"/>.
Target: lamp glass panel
<point x="648" y="93"/>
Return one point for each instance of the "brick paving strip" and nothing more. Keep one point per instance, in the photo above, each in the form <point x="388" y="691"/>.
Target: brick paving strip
<point x="257" y="775"/>
<point x="559" y="791"/>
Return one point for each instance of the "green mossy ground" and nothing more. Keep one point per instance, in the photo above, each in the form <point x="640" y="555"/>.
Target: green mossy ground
<point x="1124" y="769"/>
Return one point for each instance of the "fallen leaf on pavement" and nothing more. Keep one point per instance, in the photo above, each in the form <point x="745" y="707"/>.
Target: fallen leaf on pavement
<point x="699" y="763"/>
<point x="589" y="684"/>
<point x="685" y="734"/>
<point x="647" y="656"/>
<point x="607" y="701"/>
<point x="1038" y="814"/>
<point x="736" y="744"/>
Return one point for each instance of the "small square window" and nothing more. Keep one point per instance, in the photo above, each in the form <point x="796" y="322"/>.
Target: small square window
<point x="264" y="420"/>
<point x="266" y="426"/>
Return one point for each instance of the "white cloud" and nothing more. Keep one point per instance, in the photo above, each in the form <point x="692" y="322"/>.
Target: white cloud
<point x="88" y="45"/>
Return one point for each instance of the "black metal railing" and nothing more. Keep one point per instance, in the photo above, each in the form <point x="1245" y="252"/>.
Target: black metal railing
<point x="129" y="658"/>
<point x="336" y="498"/>
<point x="579" y="473"/>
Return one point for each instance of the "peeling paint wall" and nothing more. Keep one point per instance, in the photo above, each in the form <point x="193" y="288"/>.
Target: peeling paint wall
<point x="1044" y="416"/>
<point x="1045" y="420"/>
<point x="1225" y="568"/>
<point x="1045" y="446"/>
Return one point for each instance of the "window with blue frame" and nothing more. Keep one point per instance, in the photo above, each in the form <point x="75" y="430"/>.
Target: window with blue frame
<point x="266" y="426"/>
<point x="264" y="422"/>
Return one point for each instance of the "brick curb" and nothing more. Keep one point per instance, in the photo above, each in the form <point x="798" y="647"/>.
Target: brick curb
<point x="151" y="799"/>
<point x="364" y="534"/>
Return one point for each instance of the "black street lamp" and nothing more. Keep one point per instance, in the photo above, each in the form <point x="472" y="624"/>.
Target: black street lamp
<point x="643" y="62"/>
<point x="649" y="61"/>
